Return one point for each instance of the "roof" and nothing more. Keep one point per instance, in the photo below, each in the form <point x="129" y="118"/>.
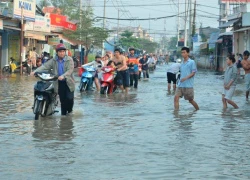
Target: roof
<point x="243" y="29"/>
<point x="229" y="23"/>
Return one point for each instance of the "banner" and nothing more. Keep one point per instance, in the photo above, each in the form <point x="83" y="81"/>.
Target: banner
<point x="29" y="9"/>
<point x="69" y="26"/>
<point x="57" y="20"/>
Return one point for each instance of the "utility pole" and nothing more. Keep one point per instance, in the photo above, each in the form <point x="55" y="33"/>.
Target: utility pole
<point x="21" y="42"/>
<point x="118" y="25"/>
<point x="185" y="24"/>
<point x="81" y="53"/>
<point x="104" y="24"/>
<point x="178" y="25"/>
<point x="194" y="17"/>
<point x="190" y="25"/>
<point x="149" y="25"/>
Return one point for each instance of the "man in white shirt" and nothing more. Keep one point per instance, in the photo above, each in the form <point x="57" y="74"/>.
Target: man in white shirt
<point x="171" y="74"/>
<point x="151" y="61"/>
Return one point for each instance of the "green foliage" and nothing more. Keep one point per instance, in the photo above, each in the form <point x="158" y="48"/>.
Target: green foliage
<point x="86" y="33"/>
<point x="172" y="43"/>
<point x="127" y="40"/>
<point x="91" y="57"/>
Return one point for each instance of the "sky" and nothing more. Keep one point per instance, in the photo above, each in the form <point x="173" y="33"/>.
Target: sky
<point x="207" y="14"/>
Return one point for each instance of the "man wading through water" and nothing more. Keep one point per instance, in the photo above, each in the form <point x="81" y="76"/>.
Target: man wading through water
<point x="122" y="77"/>
<point x="246" y="66"/>
<point x="186" y="84"/>
<point x="63" y="66"/>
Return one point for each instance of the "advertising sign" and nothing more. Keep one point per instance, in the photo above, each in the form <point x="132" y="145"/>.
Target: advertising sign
<point x="235" y="1"/>
<point x="57" y="20"/>
<point x="1" y="24"/>
<point x="29" y="9"/>
<point x="53" y="41"/>
<point x="41" y="24"/>
<point x="69" y="26"/>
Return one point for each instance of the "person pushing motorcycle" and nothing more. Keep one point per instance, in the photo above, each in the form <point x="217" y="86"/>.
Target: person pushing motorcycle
<point x="63" y="66"/>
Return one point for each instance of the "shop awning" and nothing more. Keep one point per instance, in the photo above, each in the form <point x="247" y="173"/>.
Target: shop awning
<point x="37" y="35"/>
<point x="229" y="23"/>
<point x="72" y="42"/>
<point x="243" y="29"/>
<point x="12" y="28"/>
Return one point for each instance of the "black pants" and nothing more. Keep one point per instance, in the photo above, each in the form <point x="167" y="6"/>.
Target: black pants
<point x="145" y="73"/>
<point x="134" y="77"/>
<point x="66" y="98"/>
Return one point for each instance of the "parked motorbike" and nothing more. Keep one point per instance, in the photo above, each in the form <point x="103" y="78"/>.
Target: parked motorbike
<point x="11" y="67"/>
<point x="45" y="98"/>
<point x="87" y="78"/>
<point x="76" y="62"/>
<point x="8" y="67"/>
<point x="107" y="80"/>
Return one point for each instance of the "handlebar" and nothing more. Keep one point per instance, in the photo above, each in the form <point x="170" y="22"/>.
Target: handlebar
<point x="46" y="76"/>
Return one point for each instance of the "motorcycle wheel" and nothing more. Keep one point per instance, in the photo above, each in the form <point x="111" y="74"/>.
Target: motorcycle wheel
<point x="104" y="90"/>
<point x="83" y="86"/>
<point x="37" y="109"/>
<point x="75" y="64"/>
<point x="6" y="69"/>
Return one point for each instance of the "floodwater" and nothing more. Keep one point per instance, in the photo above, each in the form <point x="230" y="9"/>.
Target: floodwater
<point x="134" y="136"/>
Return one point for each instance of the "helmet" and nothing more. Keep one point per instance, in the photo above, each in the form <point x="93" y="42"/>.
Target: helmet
<point x="131" y="49"/>
<point x="178" y="60"/>
<point x="60" y="47"/>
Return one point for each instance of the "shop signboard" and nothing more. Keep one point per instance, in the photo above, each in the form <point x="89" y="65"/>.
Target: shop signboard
<point x="234" y="1"/>
<point x="59" y="22"/>
<point x="53" y="41"/>
<point x="29" y="9"/>
<point x="69" y="26"/>
<point x="1" y="24"/>
<point x="41" y="24"/>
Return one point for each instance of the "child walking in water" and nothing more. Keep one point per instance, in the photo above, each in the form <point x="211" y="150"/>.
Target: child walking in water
<point x="230" y="81"/>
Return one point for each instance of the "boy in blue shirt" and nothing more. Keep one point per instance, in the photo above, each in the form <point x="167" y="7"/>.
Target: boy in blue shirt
<point x="186" y="84"/>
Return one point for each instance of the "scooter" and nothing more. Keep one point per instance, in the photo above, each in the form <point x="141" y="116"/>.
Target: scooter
<point x="8" y="67"/>
<point x="87" y="78"/>
<point x="107" y="80"/>
<point x="45" y="100"/>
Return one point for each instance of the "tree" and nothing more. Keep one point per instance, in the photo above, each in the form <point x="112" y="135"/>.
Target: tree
<point x="127" y="40"/>
<point x="172" y="43"/>
<point x="147" y="45"/>
<point x="86" y="34"/>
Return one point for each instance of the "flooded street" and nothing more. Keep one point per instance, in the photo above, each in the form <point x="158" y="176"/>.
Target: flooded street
<point x="134" y="136"/>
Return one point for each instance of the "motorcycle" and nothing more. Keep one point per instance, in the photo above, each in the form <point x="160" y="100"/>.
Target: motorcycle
<point x="107" y="80"/>
<point x="11" y="67"/>
<point x="87" y="78"/>
<point x="76" y="62"/>
<point x="45" y="98"/>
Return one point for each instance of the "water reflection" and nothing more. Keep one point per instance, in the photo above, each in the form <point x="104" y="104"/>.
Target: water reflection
<point x="54" y="129"/>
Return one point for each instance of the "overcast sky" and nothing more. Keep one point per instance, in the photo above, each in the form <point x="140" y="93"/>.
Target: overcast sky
<point x="156" y="8"/>
<point x="207" y="14"/>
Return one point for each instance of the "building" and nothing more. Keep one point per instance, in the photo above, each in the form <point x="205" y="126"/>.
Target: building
<point x="234" y="23"/>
